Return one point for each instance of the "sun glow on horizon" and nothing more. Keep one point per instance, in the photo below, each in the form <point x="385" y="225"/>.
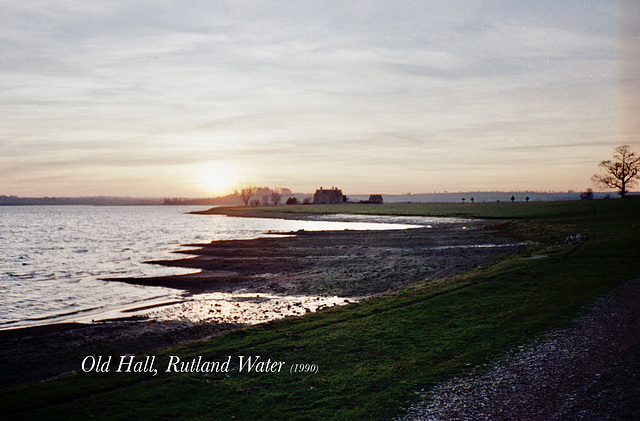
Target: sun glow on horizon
<point x="516" y="96"/>
<point x="216" y="178"/>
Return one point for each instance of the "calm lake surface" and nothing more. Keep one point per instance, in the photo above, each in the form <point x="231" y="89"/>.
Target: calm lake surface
<point x="53" y="257"/>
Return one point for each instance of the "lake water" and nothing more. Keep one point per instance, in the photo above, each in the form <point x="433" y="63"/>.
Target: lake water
<point x="53" y="257"/>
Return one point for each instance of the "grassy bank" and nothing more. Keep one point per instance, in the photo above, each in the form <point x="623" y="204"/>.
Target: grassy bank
<point x="373" y="356"/>
<point x="504" y="210"/>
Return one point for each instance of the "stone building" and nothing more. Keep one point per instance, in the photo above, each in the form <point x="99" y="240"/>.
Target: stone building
<point x="325" y="197"/>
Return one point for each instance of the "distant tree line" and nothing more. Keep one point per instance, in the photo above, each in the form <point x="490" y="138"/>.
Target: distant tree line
<point x="246" y="194"/>
<point x="229" y="199"/>
<point x="86" y="201"/>
<point x="251" y="195"/>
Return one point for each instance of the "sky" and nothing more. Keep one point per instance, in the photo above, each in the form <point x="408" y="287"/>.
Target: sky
<point x="193" y="98"/>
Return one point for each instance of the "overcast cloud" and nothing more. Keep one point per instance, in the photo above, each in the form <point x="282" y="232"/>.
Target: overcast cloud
<point x="142" y="98"/>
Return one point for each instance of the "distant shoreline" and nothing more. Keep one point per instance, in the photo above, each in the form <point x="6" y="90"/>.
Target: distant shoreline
<point x="455" y="197"/>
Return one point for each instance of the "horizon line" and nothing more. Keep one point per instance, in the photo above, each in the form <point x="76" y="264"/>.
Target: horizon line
<point x="570" y="191"/>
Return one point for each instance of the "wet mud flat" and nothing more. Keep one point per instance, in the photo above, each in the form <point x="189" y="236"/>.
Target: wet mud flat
<point x="343" y="263"/>
<point x="285" y="275"/>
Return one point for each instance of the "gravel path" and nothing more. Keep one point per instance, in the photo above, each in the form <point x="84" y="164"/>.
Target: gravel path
<point x="588" y="372"/>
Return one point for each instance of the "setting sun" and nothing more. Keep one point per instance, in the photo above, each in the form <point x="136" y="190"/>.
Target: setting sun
<point x="217" y="178"/>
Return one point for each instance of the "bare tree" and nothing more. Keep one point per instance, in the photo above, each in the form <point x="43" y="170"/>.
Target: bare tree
<point x="276" y="196"/>
<point x="587" y="195"/>
<point x="622" y="172"/>
<point x="246" y="191"/>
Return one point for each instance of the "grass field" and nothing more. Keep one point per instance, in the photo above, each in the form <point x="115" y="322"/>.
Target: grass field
<point x="373" y="356"/>
<point x="517" y="210"/>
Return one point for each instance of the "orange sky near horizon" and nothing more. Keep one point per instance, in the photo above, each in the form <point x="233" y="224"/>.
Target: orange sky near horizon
<point x="147" y="99"/>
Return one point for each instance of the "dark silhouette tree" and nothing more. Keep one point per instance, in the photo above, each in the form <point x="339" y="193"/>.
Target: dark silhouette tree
<point x="587" y="195"/>
<point x="621" y="173"/>
<point x="473" y="200"/>
<point x="292" y="201"/>
<point x="246" y="191"/>
<point x="513" y="199"/>
<point x="527" y="199"/>
<point x="276" y="196"/>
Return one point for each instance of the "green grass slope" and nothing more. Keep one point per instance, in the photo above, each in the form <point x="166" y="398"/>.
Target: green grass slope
<point x="372" y="356"/>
